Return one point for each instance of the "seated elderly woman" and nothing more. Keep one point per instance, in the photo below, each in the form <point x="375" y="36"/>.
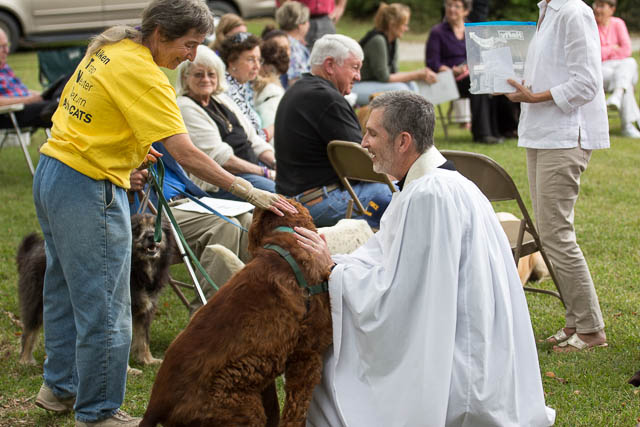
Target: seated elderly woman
<point x="217" y="126"/>
<point x="229" y="24"/>
<point x="619" y="69"/>
<point x="379" y="71"/>
<point x="268" y="87"/>
<point x="242" y="56"/>
<point x="293" y="18"/>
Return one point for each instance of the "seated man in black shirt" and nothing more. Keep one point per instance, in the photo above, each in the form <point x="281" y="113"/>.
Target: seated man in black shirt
<point x="312" y="113"/>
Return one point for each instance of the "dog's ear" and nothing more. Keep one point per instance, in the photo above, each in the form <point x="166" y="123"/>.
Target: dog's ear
<point x="136" y="221"/>
<point x="256" y="230"/>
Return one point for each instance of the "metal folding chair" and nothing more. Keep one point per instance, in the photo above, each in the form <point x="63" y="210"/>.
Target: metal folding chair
<point x="56" y="64"/>
<point x="176" y="285"/>
<point x="496" y="184"/>
<point x="11" y="111"/>
<point x="352" y="162"/>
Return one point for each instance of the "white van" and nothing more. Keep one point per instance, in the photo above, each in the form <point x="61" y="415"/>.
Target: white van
<point x="47" y="21"/>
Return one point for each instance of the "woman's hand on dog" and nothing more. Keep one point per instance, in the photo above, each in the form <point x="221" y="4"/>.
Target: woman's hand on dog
<point x="260" y="198"/>
<point x="316" y="244"/>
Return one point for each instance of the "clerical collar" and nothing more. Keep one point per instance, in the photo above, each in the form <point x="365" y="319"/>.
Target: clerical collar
<point x="427" y="162"/>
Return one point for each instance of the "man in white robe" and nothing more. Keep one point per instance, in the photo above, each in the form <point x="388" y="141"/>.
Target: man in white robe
<point x="430" y="322"/>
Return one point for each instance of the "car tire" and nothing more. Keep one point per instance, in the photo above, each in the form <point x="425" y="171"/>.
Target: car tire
<point x="11" y="29"/>
<point x="219" y="8"/>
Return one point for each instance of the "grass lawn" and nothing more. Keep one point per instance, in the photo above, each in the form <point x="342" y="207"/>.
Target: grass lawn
<point x="587" y="389"/>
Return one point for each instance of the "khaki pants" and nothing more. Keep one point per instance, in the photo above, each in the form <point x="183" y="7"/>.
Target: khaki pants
<point x="202" y="231"/>
<point x="554" y="182"/>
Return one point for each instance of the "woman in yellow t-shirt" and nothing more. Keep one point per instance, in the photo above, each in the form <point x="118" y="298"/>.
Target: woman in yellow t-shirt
<point x="115" y="105"/>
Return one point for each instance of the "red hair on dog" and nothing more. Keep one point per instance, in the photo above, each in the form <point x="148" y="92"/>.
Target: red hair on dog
<point x="220" y="370"/>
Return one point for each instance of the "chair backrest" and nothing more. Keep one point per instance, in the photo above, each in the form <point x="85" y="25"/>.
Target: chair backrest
<point x="352" y="162"/>
<point x="494" y="182"/>
<point x="56" y="63"/>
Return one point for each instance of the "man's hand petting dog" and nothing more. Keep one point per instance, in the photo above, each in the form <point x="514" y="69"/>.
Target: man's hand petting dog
<point x="316" y="244"/>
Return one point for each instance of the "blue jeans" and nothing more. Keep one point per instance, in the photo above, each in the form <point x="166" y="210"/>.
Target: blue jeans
<point x="87" y="301"/>
<point x="364" y="90"/>
<point x="257" y="181"/>
<point x="334" y="205"/>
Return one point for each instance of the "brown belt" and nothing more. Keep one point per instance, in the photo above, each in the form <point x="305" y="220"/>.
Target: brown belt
<point x="315" y="195"/>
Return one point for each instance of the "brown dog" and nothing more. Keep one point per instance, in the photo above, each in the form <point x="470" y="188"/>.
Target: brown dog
<point x="220" y="370"/>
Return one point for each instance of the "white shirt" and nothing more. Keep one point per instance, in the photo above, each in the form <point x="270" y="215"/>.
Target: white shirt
<point x="564" y="56"/>
<point x="430" y="322"/>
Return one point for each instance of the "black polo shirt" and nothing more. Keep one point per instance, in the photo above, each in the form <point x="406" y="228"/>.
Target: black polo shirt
<point x="311" y="114"/>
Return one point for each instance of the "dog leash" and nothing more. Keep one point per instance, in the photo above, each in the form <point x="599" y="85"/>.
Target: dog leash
<point x="311" y="290"/>
<point x="207" y="207"/>
<point x="156" y="181"/>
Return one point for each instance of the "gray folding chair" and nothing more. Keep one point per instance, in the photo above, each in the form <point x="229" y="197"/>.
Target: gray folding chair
<point x="352" y="162"/>
<point x="496" y="184"/>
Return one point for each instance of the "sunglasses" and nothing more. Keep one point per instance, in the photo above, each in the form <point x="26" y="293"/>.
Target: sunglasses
<point x="239" y="37"/>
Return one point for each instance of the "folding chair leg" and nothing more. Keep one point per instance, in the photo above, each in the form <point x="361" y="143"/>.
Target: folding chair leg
<point x="553" y="276"/>
<point x="187" y="263"/>
<point x="349" y="209"/>
<point x="175" y="285"/>
<point x="444" y="123"/>
<point x="185" y="259"/>
<point x="21" y="141"/>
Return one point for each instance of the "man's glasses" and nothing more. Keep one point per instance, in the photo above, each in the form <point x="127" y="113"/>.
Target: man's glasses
<point x="6" y="46"/>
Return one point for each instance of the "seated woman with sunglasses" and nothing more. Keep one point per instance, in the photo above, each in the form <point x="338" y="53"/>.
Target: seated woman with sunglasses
<point x="217" y="126"/>
<point x="243" y="59"/>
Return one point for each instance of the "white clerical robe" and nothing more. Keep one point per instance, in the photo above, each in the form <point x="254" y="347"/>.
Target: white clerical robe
<point x="430" y="322"/>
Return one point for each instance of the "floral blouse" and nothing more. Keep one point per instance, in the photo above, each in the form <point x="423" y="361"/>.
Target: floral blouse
<point x="242" y="95"/>
<point x="299" y="61"/>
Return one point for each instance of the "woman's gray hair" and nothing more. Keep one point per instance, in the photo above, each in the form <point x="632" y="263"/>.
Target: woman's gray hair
<point x="335" y="46"/>
<point x="173" y="18"/>
<point x="207" y="58"/>
<point x="405" y="111"/>
<point x="292" y="14"/>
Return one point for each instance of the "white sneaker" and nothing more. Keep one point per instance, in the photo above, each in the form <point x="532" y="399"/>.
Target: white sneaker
<point x="615" y="100"/>
<point x="119" y="419"/>
<point x="630" y="131"/>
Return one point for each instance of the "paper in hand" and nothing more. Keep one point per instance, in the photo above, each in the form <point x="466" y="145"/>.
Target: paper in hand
<point x="499" y="64"/>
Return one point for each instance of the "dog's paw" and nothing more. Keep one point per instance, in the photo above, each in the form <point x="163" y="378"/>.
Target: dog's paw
<point x="151" y="361"/>
<point x="27" y="360"/>
<point x="133" y="371"/>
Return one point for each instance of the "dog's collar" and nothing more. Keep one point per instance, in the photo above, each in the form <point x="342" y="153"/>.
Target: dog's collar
<point x="311" y="290"/>
<point x="284" y="229"/>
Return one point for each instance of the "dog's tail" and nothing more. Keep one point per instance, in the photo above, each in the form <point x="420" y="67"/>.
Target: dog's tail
<point x="26" y="246"/>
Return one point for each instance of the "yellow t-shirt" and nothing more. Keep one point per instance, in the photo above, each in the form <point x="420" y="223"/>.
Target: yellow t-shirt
<point x="114" y="106"/>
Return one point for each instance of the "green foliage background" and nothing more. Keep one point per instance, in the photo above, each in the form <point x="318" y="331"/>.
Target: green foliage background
<point x="425" y="13"/>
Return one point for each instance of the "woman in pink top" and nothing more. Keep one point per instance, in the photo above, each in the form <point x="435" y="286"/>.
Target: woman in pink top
<point x="619" y="69"/>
